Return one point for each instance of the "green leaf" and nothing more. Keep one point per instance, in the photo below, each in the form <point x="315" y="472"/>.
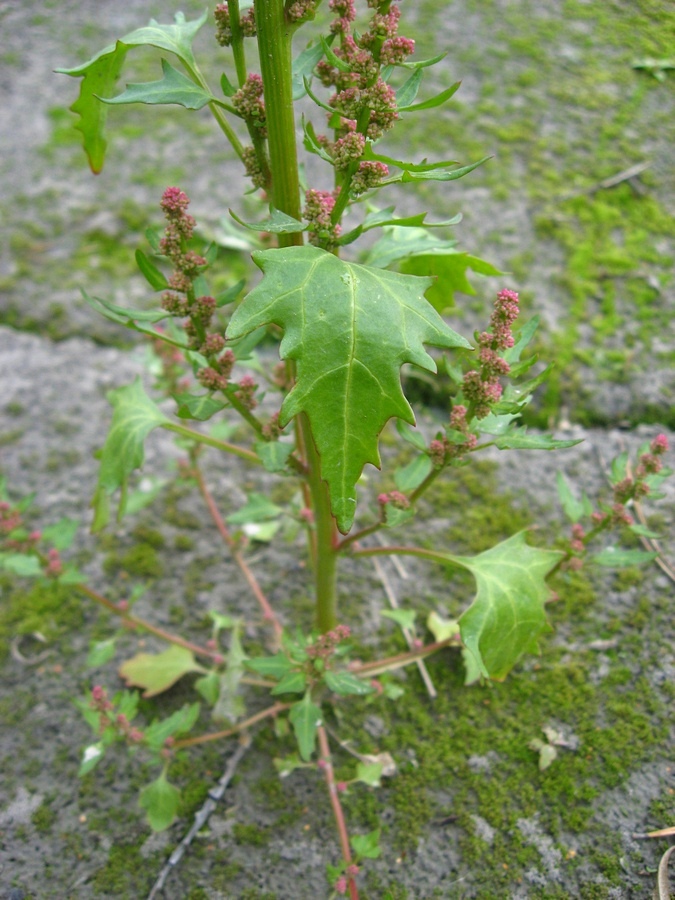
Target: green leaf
<point x="305" y="718"/>
<point x="198" y="406"/>
<point x="616" y="557"/>
<point x="160" y="800"/>
<point x="209" y="687"/>
<point x="411" y="476"/>
<point x="521" y="439"/>
<point x="155" y="278"/>
<point x="438" y="100"/>
<point x="345" y="683"/>
<point x="101" y="72"/>
<point x="61" y="534"/>
<point x="174" y="88"/>
<point x="644" y="531"/>
<point x="450" y="268"/>
<point x="442" y="629"/>
<point x="226" y="86"/>
<point x="370" y="774"/>
<point x="293" y="682"/>
<point x="179" y="722"/>
<point x="404" y="618"/>
<point x="411" y="435"/>
<point x="340" y="64"/>
<point x="436" y="175"/>
<point x="350" y="329"/>
<point x="274" y="454"/>
<point x="507" y="615"/>
<point x="134" y="417"/>
<point x="367" y="845"/>
<point x="100" y="653"/>
<point x="257" y="509"/>
<point x="574" y="509"/>
<point x="406" y="94"/>
<point x="230" y="703"/>
<point x="21" y="564"/>
<point x="270" y="666"/>
<point x="277" y="223"/>
<point x="157" y="672"/>
<point x="619" y="468"/>
<point x="303" y="66"/>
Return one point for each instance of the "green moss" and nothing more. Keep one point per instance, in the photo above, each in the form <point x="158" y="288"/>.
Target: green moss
<point x="126" y="874"/>
<point x="50" y="609"/>
<point x="253" y="835"/>
<point x="43" y="818"/>
<point x="141" y="560"/>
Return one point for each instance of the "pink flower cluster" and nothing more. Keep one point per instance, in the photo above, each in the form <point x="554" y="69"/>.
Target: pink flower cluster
<point x="109" y="718"/>
<point x="224" y="24"/>
<point x="181" y="301"/>
<point x="318" y="208"/>
<point x="443" y="450"/>
<point x="324" y="646"/>
<point x="249" y="103"/>
<point x="482" y="388"/>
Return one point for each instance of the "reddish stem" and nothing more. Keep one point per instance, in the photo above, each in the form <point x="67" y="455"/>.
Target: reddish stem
<point x="268" y="612"/>
<point x="337" y="807"/>
<point x="146" y="626"/>
<point x="236" y="729"/>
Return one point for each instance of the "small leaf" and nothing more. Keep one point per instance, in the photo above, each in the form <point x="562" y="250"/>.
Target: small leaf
<point x="274" y="454"/>
<point x="157" y="672"/>
<point x="303" y="66"/>
<point x="173" y="88"/>
<point x="270" y="666"/>
<point x="278" y="223"/>
<point x="442" y="629"/>
<point x="230" y="703"/>
<point x="411" y="476"/>
<point x="433" y="102"/>
<point x="369" y="773"/>
<point x="394" y="516"/>
<point x="21" y="564"/>
<point x="411" y="435"/>
<point x="367" y="845"/>
<point x="100" y="653"/>
<point x="574" y="509"/>
<point x="226" y="86"/>
<point x="507" y="615"/>
<point x="547" y="753"/>
<point x="345" y="683"/>
<point x="305" y="718"/>
<point x="160" y="800"/>
<point x="209" y="687"/>
<point x="198" y="406"/>
<point x="155" y="278"/>
<point x="293" y="682"/>
<point x="618" y="467"/>
<point x="644" y="531"/>
<point x="179" y="722"/>
<point x="257" y="509"/>
<point x="287" y="764"/>
<point x="450" y="268"/>
<point x="405" y="618"/>
<point x="406" y="94"/>
<point x="520" y="439"/>
<point x="61" y="534"/>
<point x="617" y="558"/>
<point x="134" y="417"/>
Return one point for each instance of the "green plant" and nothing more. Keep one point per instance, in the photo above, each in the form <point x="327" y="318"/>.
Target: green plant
<point x="349" y="322"/>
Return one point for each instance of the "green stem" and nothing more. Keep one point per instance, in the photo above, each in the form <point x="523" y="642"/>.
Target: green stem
<point x="237" y="42"/>
<point x="242" y="452"/>
<point x="274" y="46"/>
<point x="218" y="113"/>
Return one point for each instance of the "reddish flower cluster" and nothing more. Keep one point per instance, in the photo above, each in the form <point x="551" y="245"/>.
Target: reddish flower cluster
<point x="443" y="450"/>
<point x="301" y="10"/>
<point x="108" y="718"/>
<point x="224" y="24"/>
<point x="181" y="302"/>
<point x="246" y="392"/>
<point x="249" y="103"/>
<point x="324" y="646"/>
<point x="482" y="388"/>
<point x="396" y="498"/>
<point x="318" y="208"/>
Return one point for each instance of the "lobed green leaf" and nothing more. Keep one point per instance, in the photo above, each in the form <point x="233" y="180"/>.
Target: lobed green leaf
<point x="173" y="88"/>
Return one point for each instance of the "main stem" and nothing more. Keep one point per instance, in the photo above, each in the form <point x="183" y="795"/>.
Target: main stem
<point x="274" y="47"/>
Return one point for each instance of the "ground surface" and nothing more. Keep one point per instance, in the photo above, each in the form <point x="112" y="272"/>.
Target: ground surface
<point x="551" y="91"/>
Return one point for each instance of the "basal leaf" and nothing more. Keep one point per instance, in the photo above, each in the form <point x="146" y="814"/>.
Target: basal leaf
<point x="134" y="417"/>
<point x="101" y="72"/>
<point x="350" y="329"/>
<point x="507" y="615"/>
<point x="305" y="718"/>
<point x="157" y="672"/>
<point x="160" y="800"/>
<point x="174" y="87"/>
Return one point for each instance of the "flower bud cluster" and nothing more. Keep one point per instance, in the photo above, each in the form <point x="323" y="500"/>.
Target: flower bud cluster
<point x="252" y="167"/>
<point x="318" y="208"/>
<point x="224" y="24"/>
<point x="368" y="176"/>
<point x="301" y="10"/>
<point x="181" y="302"/>
<point x="396" y="498"/>
<point x="108" y="718"/>
<point x="246" y="392"/>
<point x="249" y="103"/>
<point x="271" y="430"/>
<point x="482" y="388"/>
<point x="324" y="646"/>
<point x="442" y="451"/>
